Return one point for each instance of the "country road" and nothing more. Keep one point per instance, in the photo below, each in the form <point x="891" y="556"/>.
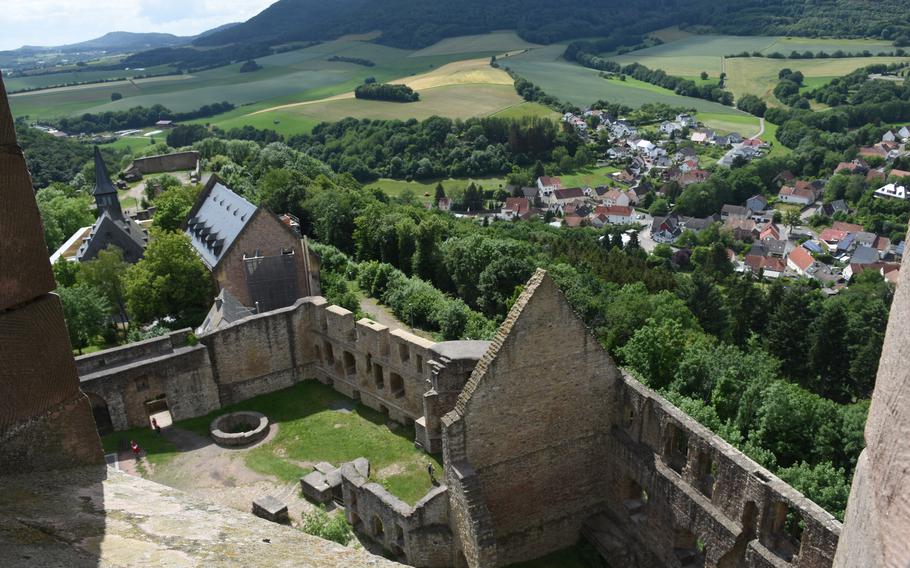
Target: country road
<point x="761" y="128"/>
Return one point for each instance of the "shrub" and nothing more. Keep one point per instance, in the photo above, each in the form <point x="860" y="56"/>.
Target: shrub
<point x="332" y="527"/>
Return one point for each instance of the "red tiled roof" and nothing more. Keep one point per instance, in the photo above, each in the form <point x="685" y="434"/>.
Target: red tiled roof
<point x="881" y="243"/>
<point x="550" y="181"/>
<point x="757" y="263"/>
<point x="518" y="204"/>
<point x="846" y="227"/>
<point x="616" y="210"/>
<point x="572" y="220"/>
<point x="900" y="173"/>
<point x="801" y="258"/>
<point x="832" y="235"/>
<point x="570" y="193"/>
<point x="770" y="232"/>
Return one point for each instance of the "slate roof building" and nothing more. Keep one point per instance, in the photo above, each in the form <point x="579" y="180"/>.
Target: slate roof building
<point x="252" y="254"/>
<point x="112" y="227"/>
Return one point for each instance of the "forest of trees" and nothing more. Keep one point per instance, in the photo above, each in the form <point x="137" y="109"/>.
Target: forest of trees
<point x="386" y="92"/>
<point x="439" y="147"/>
<point x="412" y="24"/>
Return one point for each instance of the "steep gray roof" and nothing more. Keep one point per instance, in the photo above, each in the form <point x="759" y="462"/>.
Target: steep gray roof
<point x="216" y="220"/>
<point x="103" y="184"/>
<point x="109" y="230"/>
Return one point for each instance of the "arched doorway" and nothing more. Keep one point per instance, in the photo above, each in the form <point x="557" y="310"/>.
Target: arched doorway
<point x="101" y="413"/>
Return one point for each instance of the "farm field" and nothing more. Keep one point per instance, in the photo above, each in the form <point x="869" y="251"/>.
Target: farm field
<point x="77" y="75"/>
<point x="591" y="177"/>
<point x="453" y="101"/>
<point x="528" y="109"/>
<point x="286" y="77"/>
<point x="499" y="42"/>
<point x="746" y="124"/>
<point x="758" y="76"/>
<point x="581" y="86"/>
<point x="688" y="55"/>
<point x="461" y="89"/>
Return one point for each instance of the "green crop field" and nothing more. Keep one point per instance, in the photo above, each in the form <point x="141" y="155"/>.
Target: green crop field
<point x="688" y="55"/>
<point x="745" y="124"/>
<point x="579" y="85"/>
<point x="590" y="177"/>
<point x="453" y="101"/>
<point x="496" y="42"/>
<point x="758" y="76"/>
<point x="528" y="109"/>
<point x="77" y="75"/>
<point x="287" y="77"/>
<point x="789" y="44"/>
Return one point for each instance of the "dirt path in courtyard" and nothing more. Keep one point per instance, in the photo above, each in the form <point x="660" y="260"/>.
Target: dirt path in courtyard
<point x="218" y="474"/>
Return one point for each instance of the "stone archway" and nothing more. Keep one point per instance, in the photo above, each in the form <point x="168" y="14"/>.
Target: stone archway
<point x="101" y="413"/>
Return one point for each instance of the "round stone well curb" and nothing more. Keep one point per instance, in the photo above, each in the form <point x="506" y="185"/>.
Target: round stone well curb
<point x="258" y="428"/>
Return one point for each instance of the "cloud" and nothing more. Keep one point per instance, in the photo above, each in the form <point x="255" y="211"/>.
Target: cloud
<point x="58" y="22"/>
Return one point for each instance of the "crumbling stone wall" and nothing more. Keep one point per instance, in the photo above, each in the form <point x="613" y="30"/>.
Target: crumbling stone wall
<point x="676" y="491"/>
<point x="530" y="427"/>
<point x="181" y="161"/>
<point x="418" y="535"/>
<point x="385" y="369"/>
<point x="181" y="377"/>
<point x="548" y="439"/>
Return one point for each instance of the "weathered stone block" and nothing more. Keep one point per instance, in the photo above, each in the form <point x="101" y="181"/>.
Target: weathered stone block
<point x="270" y="509"/>
<point x="316" y="487"/>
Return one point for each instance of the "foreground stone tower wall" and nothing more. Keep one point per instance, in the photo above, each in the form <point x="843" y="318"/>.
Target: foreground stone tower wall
<point x="877" y="523"/>
<point x="523" y="449"/>
<point x="45" y="421"/>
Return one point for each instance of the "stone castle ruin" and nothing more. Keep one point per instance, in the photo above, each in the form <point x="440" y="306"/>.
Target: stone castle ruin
<point x="544" y="440"/>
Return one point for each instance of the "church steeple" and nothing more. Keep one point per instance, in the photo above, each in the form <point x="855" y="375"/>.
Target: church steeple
<point x="105" y="193"/>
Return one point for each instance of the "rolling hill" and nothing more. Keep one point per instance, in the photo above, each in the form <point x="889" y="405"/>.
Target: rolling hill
<point x="419" y="23"/>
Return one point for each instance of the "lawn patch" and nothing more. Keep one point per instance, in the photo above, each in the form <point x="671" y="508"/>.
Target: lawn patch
<point x="310" y="431"/>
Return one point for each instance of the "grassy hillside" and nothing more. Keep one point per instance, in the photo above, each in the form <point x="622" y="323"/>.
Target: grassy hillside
<point x="415" y="24"/>
<point x="581" y="86"/>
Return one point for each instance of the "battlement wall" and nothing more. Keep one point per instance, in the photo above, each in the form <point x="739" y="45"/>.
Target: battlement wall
<point x="385" y="369"/>
<point x="686" y="485"/>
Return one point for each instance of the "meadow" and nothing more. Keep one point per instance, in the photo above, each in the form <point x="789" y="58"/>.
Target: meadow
<point x="581" y="86"/>
<point x="425" y="191"/>
<point x="303" y="74"/>
<point x="687" y="55"/>
<point x="758" y="76"/>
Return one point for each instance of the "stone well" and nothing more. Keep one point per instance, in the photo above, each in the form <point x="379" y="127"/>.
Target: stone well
<point x="239" y="428"/>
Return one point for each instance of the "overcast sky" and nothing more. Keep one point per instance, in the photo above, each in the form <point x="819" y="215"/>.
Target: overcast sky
<point x="58" y="22"/>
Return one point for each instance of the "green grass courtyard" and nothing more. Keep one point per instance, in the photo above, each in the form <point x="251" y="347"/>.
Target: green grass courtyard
<point x="315" y="424"/>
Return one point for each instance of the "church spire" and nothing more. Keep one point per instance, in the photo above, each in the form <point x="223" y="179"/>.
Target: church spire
<point x="105" y="193"/>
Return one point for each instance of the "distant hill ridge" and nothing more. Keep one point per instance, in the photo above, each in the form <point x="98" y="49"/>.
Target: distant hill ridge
<point x="124" y="42"/>
<point x="419" y="23"/>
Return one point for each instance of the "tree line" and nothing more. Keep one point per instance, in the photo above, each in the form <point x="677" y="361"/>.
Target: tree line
<point x="386" y="92"/>
<point x="136" y="117"/>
